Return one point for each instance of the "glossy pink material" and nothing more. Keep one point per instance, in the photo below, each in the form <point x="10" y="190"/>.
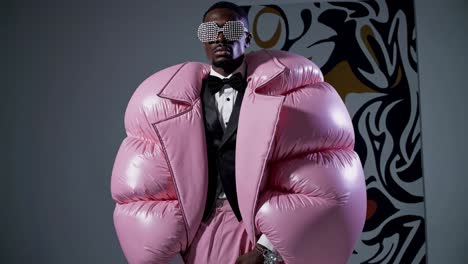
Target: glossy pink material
<point x="222" y="239"/>
<point x="299" y="181"/>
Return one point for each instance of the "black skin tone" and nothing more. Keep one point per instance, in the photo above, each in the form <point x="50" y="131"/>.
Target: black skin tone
<point x="226" y="56"/>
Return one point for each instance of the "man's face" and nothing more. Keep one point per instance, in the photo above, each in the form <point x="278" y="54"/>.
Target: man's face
<point x="222" y="51"/>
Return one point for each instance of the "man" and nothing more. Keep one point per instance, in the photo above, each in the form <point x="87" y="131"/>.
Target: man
<point x="248" y="161"/>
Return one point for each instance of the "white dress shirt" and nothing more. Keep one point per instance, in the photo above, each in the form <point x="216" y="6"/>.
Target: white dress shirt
<point x="225" y="100"/>
<point x="226" y="97"/>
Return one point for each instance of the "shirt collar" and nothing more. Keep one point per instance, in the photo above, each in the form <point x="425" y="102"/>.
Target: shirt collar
<point x="240" y="69"/>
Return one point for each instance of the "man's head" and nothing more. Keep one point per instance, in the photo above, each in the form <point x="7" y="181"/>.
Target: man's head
<point x="226" y="55"/>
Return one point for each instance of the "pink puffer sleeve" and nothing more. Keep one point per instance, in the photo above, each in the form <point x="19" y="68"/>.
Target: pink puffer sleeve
<point x="312" y="208"/>
<point x="147" y="217"/>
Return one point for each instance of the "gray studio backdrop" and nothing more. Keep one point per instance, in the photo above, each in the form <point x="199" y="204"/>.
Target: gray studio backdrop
<point x="68" y="69"/>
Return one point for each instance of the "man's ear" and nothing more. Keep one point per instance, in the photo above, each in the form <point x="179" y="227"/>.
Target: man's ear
<point x="248" y="38"/>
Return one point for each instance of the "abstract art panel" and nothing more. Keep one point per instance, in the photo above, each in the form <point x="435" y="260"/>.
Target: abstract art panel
<point x="367" y="51"/>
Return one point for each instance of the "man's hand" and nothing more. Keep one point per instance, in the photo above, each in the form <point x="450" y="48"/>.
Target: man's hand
<point x="252" y="257"/>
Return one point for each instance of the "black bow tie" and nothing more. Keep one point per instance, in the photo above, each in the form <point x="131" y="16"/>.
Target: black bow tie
<point x="215" y="84"/>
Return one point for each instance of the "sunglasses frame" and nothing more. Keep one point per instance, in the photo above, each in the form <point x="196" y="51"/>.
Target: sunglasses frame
<point x="225" y="29"/>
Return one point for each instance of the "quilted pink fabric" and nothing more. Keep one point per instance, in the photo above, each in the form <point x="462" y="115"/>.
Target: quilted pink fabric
<point x="298" y="179"/>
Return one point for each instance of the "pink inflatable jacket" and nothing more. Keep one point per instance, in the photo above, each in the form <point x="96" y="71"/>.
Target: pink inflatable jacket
<point x="298" y="179"/>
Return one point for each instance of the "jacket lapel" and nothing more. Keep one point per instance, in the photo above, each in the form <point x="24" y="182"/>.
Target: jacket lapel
<point x="182" y="136"/>
<point x="210" y="110"/>
<point x="256" y="130"/>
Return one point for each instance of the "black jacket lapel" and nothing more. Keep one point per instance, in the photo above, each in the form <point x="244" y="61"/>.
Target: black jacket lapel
<point x="213" y="133"/>
<point x="210" y="110"/>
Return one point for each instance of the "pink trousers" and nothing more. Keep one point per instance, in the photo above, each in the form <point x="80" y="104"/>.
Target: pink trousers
<point x="220" y="240"/>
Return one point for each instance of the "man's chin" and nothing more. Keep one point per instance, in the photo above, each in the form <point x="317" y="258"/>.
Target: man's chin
<point x="221" y="63"/>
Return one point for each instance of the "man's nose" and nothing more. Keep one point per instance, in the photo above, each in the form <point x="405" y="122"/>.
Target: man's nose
<point x="220" y="37"/>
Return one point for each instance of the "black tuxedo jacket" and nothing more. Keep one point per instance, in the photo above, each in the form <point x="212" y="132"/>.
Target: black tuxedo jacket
<point x="221" y="146"/>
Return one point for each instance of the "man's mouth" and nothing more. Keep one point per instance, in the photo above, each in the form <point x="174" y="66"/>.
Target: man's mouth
<point x="222" y="50"/>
